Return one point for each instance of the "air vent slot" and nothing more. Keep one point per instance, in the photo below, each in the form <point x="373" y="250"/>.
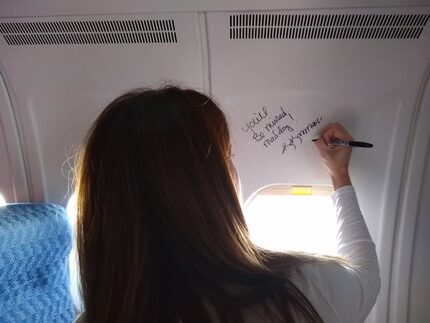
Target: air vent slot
<point x="335" y="26"/>
<point x="89" y="32"/>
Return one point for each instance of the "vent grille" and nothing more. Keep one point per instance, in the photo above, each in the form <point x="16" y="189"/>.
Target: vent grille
<point x="342" y="26"/>
<point x="89" y="32"/>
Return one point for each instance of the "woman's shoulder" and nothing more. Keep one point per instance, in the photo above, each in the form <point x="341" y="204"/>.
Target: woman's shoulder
<point x="297" y="261"/>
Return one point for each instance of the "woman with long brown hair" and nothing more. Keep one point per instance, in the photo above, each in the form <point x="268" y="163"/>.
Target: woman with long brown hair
<point x="162" y="238"/>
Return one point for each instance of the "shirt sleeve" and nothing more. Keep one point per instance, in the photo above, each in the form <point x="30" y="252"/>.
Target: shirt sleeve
<point x="345" y="292"/>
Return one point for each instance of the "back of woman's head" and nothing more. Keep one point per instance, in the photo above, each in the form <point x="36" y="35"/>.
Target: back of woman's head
<point x="160" y="228"/>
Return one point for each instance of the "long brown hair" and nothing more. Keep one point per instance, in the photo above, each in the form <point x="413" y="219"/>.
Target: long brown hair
<point x="161" y="234"/>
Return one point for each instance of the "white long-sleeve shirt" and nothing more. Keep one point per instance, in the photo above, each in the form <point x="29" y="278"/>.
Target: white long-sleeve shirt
<point x="344" y="293"/>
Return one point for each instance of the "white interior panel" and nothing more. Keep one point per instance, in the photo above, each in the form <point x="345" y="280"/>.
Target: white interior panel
<point x="5" y="169"/>
<point x="22" y="8"/>
<point x="5" y="172"/>
<point x="408" y="279"/>
<point x="419" y="293"/>
<point x="13" y="175"/>
<point x="61" y="88"/>
<point x="369" y="85"/>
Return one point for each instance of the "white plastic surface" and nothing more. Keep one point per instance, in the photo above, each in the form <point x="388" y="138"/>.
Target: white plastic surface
<point x="410" y="238"/>
<point x="5" y="171"/>
<point x="60" y="89"/>
<point x="417" y="308"/>
<point x="22" y="8"/>
<point x="13" y="176"/>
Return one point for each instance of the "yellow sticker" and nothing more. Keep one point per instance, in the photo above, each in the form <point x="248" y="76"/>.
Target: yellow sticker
<point x="301" y="190"/>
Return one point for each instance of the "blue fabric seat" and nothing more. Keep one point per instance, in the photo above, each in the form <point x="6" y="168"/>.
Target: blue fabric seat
<point x="35" y="242"/>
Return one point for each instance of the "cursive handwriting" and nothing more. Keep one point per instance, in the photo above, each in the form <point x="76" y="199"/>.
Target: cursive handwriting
<point x="255" y="120"/>
<point x="297" y="139"/>
<point x="277" y="118"/>
<point x="276" y="133"/>
<point x="267" y="128"/>
<point x="257" y="136"/>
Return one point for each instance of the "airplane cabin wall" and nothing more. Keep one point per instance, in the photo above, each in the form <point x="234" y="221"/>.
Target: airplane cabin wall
<point x="420" y="275"/>
<point x="378" y="88"/>
<point x="14" y="184"/>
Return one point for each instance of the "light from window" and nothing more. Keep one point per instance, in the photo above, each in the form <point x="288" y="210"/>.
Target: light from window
<point x="2" y="200"/>
<point x="285" y="218"/>
<point x="71" y="209"/>
<point x="73" y="258"/>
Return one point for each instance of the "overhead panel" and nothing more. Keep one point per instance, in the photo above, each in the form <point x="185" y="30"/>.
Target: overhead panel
<point x="64" y="70"/>
<point x="15" y="8"/>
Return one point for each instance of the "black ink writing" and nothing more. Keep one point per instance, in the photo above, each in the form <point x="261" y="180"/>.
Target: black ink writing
<point x="268" y="128"/>
<point x="309" y="127"/>
<point x="258" y="117"/>
<point x="291" y="144"/>
<point x="270" y="140"/>
<point x="276" y="133"/>
<point x="297" y="139"/>
<point x="276" y="119"/>
<point x="257" y="136"/>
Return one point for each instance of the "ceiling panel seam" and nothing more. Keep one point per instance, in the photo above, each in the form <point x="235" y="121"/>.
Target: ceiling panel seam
<point x="21" y="178"/>
<point x="204" y="50"/>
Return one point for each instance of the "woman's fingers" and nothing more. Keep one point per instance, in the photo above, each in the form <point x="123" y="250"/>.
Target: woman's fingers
<point x="321" y="144"/>
<point x="335" y="131"/>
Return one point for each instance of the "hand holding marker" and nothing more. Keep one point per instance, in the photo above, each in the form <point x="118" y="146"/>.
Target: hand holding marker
<point x="336" y="160"/>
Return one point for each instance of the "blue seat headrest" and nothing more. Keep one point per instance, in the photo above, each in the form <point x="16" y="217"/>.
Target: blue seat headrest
<point x="35" y="242"/>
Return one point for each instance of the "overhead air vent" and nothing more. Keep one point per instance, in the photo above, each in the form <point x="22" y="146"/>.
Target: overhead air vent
<point x="89" y="32"/>
<point x="327" y="26"/>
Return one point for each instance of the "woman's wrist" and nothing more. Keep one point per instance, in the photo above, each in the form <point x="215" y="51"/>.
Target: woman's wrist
<point x="340" y="180"/>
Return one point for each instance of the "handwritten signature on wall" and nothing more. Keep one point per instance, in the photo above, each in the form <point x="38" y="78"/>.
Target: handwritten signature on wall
<point x="268" y="129"/>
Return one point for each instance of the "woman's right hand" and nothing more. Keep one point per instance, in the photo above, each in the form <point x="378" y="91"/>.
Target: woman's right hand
<point x="335" y="158"/>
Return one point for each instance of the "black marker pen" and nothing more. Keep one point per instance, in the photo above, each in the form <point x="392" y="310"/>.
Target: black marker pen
<point x="351" y="143"/>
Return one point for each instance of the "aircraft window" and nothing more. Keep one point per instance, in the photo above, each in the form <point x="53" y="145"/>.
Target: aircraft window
<point x="2" y="200"/>
<point x="292" y="218"/>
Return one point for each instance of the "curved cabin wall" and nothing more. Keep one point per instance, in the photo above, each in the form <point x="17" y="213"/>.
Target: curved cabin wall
<point x="280" y="76"/>
<point x="419" y="279"/>
<point x="14" y="180"/>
